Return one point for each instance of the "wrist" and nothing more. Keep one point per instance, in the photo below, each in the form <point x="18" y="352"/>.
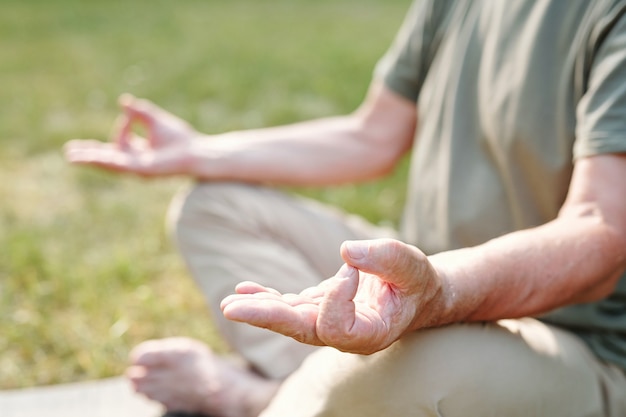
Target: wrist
<point x="452" y="304"/>
<point x="433" y="300"/>
<point x="199" y="157"/>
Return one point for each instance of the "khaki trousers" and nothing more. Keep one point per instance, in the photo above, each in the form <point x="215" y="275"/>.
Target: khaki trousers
<point x="230" y="232"/>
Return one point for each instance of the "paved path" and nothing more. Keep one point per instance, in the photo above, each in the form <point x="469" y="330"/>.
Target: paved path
<point x="105" y="398"/>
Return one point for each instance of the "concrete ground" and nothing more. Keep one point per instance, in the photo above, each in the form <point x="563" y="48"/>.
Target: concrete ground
<point x="104" y="398"/>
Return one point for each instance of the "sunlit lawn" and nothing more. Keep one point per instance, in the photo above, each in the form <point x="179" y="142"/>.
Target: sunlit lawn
<point x="86" y="268"/>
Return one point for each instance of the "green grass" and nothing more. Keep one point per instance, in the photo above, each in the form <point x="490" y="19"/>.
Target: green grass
<point x="86" y="268"/>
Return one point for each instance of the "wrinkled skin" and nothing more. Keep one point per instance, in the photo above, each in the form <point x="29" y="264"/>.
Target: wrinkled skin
<point x="385" y="289"/>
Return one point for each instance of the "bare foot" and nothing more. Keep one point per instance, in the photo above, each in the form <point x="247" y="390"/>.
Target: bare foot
<point x="185" y="375"/>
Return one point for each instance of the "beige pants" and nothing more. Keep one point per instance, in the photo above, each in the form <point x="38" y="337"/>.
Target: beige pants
<point x="228" y="233"/>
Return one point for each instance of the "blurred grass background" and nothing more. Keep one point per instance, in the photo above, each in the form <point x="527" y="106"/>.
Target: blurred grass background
<point x="86" y="268"/>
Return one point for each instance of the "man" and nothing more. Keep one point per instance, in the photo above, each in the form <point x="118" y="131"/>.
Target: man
<point x="504" y="293"/>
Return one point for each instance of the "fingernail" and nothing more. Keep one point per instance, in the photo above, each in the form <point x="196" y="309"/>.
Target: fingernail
<point x="357" y="249"/>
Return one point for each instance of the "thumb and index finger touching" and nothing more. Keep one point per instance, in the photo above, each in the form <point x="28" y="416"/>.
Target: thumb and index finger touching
<point x="134" y="111"/>
<point x="339" y="323"/>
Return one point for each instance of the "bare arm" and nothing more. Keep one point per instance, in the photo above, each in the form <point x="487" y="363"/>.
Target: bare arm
<point x="576" y="258"/>
<point x="360" y="146"/>
<point x="388" y="288"/>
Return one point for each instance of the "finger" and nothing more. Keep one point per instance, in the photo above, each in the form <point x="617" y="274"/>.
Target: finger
<point x="319" y="290"/>
<point x="255" y="310"/>
<point x="137" y="111"/>
<point x="109" y="157"/>
<point x="297" y="322"/>
<point x="75" y="144"/>
<point x="314" y="292"/>
<point x="78" y="150"/>
<point x="264" y="296"/>
<point x="249" y="287"/>
<point x="102" y="156"/>
<point x="393" y="261"/>
<point x="337" y="314"/>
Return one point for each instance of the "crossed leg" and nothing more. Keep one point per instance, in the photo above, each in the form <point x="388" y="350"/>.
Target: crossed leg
<point x="228" y="233"/>
<point x="509" y="368"/>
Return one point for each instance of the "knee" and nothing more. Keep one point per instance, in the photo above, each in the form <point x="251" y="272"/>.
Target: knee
<point x="203" y="205"/>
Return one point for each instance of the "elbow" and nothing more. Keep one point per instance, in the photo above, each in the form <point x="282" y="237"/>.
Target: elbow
<point x="616" y="254"/>
<point x="604" y="288"/>
<point x="605" y="249"/>
<point x="613" y="265"/>
<point x="619" y="263"/>
<point x="389" y="160"/>
<point x="384" y="151"/>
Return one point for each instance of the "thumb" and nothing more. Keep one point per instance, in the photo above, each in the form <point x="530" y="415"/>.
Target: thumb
<point x="392" y="260"/>
<point x="337" y="312"/>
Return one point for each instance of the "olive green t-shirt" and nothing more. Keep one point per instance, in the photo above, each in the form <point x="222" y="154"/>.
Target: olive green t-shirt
<point x="509" y="95"/>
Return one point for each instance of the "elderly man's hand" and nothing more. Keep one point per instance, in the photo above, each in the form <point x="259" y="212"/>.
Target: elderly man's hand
<point x="166" y="149"/>
<point x="385" y="289"/>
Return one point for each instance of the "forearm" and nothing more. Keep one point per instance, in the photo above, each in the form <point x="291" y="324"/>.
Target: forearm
<point x="361" y="146"/>
<point x="573" y="259"/>
<point x="326" y="151"/>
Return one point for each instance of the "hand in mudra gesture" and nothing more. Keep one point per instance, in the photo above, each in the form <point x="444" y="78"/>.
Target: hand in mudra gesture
<point x="164" y="151"/>
<point x="385" y="289"/>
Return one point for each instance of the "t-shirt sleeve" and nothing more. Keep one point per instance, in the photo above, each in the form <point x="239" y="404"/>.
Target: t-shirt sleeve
<point x="403" y="68"/>
<point x="601" y="111"/>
